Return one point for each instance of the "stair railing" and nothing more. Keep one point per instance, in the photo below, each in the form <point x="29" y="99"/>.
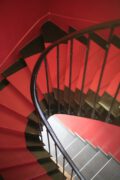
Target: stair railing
<point x="50" y="132"/>
<point x="112" y="103"/>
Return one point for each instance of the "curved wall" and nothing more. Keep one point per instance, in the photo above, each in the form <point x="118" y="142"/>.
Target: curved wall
<point x="17" y="17"/>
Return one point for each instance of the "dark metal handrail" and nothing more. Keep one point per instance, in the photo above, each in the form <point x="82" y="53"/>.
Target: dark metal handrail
<point x="34" y="95"/>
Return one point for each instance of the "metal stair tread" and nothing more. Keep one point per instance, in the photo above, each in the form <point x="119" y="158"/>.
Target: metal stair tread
<point x="33" y="117"/>
<point x="49" y="166"/>
<point x="93" y="166"/>
<point x="98" y="39"/>
<point x="110" y="172"/>
<point x="82" y="39"/>
<point x="14" y="68"/>
<point x="82" y="157"/>
<point x="72" y="149"/>
<point x="57" y="176"/>
<point x="42" y="154"/>
<point x="3" y="83"/>
<point x="33" y="47"/>
<point x="116" y="41"/>
<point x="78" y="144"/>
<point x="65" y="136"/>
<point x="31" y="130"/>
<point x="33" y="143"/>
<point x="61" y="131"/>
<point x="54" y="175"/>
<point x="54" y="33"/>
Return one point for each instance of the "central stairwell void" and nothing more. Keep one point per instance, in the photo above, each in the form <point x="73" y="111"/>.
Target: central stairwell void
<point x="70" y="128"/>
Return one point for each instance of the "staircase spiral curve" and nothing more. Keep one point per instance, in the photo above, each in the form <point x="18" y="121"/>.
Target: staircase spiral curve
<point x="60" y="106"/>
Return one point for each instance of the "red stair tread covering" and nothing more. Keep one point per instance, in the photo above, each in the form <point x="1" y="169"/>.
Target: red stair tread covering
<point x="15" y="157"/>
<point x="114" y="52"/>
<point x="12" y="99"/>
<point x="104" y="33"/>
<point x="13" y="149"/>
<point x="97" y="132"/>
<point x="21" y="81"/>
<point x="113" y="86"/>
<point x="11" y="120"/>
<point x="117" y="31"/>
<point x="78" y="58"/>
<point x="111" y="69"/>
<point x="11" y="140"/>
<point x="41" y="79"/>
<point x="52" y="62"/>
<point x="29" y="171"/>
<point x="95" y="59"/>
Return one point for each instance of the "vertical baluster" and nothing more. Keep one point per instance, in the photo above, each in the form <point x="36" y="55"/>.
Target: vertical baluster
<point x="71" y="174"/>
<point x="48" y="138"/>
<point x="41" y="137"/>
<point x="63" y="165"/>
<point x="58" y="78"/>
<point x="102" y="72"/>
<point x="47" y="83"/>
<point x="56" y="154"/>
<point x="41" y="128"/>
<point x="112" y="103"/>
<point x="84" y="77"/>
<point x="70" y="73"/>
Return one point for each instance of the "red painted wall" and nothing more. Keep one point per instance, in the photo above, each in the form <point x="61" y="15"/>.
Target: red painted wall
<point x="16" y="17"/>
<point x="92" y="10"/>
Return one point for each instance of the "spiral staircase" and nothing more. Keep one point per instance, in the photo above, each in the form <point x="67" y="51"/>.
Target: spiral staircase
<point x="69" y="129"/>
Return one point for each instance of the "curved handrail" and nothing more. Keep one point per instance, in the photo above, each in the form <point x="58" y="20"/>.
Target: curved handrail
<point x="77" y="34"/>
<point x="111" y="24"/>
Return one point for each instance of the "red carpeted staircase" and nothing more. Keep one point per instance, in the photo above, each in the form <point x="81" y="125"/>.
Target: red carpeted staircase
<point x="79" y="76"/>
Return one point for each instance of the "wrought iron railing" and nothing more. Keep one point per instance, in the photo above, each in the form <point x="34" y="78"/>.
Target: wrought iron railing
<point x="50" y="132"/>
